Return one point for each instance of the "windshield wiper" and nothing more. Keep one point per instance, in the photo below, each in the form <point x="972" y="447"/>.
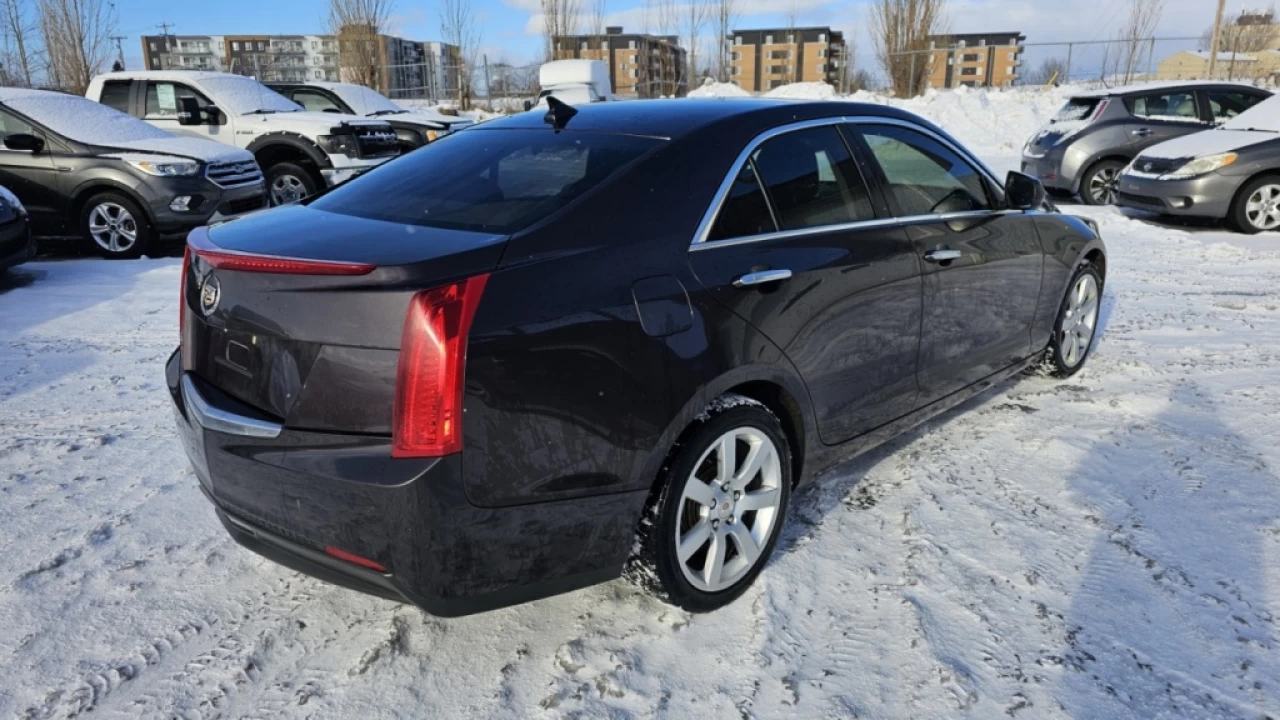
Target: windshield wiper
<point x="380" y="113"/>
<point x="1254" y="130"/>
<point x="262" y="111"/>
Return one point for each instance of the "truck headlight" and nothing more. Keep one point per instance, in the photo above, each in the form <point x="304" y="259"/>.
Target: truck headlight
<point x="1200" y="166"/>
<point x="339" y="145"/>
<point x="176" y="168"/>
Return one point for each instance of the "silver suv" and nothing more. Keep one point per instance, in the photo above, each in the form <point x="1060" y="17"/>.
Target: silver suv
<point x="1095" y="135"/>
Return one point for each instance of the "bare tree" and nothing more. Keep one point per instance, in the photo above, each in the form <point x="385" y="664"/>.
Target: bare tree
<point x="900" y="32"/>
<point x="1246" y="32"/>
<point x="1051" y="70"/>
<point x="559" y="19"/>
<point x="19" y="32"/>
<point x="793" y="66"/>
<point x="76" y="36"/>
<point x="693" y="19"/>
<point x="598" y="11"/>
<point x="668" y="19"/>
<point x="1134" y="44"/>
<point x="358" y="25"/>
<point x="458" y="26"/>
<point x="724" y="15"/>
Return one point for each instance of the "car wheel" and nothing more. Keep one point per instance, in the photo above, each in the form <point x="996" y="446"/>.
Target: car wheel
<point x="1076" y="325"/>
<point x="722" y="500"/>
<point x="1099" y="184"/>
<point x="115" y="226"/>
<point x="288" y="183"/>
<point x="1257" y="206"/>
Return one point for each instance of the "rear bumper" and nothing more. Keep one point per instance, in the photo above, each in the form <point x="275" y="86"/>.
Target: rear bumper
<point x="1048" y="170"/>
<point x="16" y="244"/>
<point x="291" y="496"/>
<point x="1205" y="196"/>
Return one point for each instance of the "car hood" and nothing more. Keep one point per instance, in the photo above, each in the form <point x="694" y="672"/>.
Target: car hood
<point x="188" y="147"/>
<point x="1209" y="142"/>
<point x="432" y="118"/>
<point x="317" y="122"/>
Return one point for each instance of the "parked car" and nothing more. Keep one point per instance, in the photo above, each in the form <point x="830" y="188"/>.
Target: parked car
<point x="1095" y="135"/>
<point x="488" y="371"/>
<point x="413" y="128"/>
<point x="1230" y="173"/>
<point x="300" y="152"/>
<point x="573" y="82"/>
<point x="16" y="245"/>
<point x="84" y="170"/>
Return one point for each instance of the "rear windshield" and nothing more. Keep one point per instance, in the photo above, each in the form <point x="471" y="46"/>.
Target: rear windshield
<point x="495" y="181"/>
<point x="1077" y="109"/>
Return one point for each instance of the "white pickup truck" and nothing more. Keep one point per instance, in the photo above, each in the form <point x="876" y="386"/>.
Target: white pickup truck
<point x="300" y="152"/>
<point x="574" y="82"/>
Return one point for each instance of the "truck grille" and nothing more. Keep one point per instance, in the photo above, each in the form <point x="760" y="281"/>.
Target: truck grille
<point x="377" y="142"/>
<point x="234" y="175"/>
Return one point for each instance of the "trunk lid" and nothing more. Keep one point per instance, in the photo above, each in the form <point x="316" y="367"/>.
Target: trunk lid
<point x="314" y="351"/>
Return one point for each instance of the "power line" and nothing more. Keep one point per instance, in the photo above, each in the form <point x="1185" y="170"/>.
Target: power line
<point x="119" y="48"/>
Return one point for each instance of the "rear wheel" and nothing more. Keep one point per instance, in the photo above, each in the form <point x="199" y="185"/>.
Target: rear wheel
<point x="1076" y="325"/>
<point x="288" y="183"/>
<point x="717" y="518"/>
<point x="1098" y="187"/>
<point x="1257" y="206"/>
<point x="115" y="226"/>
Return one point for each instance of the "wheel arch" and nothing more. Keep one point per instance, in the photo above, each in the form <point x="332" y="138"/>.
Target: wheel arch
<point x="1235" y="197"/>
<point x="1113" y="154"/>
<point x="87" y="189"/>
<point x="277" y="147"/>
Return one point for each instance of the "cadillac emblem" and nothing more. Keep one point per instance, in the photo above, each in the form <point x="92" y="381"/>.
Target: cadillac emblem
<point x="210" y="293"/>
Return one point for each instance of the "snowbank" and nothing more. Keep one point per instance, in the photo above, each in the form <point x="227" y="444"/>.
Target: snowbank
<point x="718" y="90"/>
<point x="804" y="91"/>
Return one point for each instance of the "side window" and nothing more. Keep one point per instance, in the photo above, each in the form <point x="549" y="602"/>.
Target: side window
<point x="1227" y="104"/>
<point x="115" y="94"/>
<point x="925" y="177"/>
<point x="745" y="212"/>
<point x="315" y="101"/>
<point x="10" y="125"/>
<point x="811" y="179"/>
<point x="1178" y="105"/>
<point x="163" y="99"/>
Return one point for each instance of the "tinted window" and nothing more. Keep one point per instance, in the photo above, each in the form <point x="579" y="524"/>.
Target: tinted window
<point x="315" y="101"/>
<point x="1176" y="105"/>
<point x="1077" y="109"/>
<point x="164" y="99"/>
<point x="925" y="177"/>
<point x="745" y="212"/>
<point x="1227" y="104"/>
<point x="811" y="179"/>
<point x="498" y="181"/>
<point x="115" y="94"/>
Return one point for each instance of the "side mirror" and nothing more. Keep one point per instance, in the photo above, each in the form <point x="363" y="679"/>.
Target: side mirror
<point x="214" y="116"/>
<point x="25" y="142"/>
<point x="331" y="110"/>
<point x="1023" y="192"/>
<point x="189" y="112"/>
<point x="528" y="105"/>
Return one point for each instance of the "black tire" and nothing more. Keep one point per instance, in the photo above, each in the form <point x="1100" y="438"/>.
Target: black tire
<point x="1092" y="174"/>
<point x="656" y="565"/>
<point x="295" y="179"/>
<point x="111" y="211"/>
<point x="1237" y="216"/>
<point x="1057" y="361"/>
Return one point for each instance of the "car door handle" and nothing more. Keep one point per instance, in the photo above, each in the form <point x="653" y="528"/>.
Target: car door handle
<point x="1141" y="132"/>
<point x="759" y="278"/>
<point x="934" y="256"/>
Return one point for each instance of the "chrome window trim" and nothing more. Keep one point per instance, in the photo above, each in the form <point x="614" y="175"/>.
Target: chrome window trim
<point x="700" y="241"/>
<point x="211" y="418"/>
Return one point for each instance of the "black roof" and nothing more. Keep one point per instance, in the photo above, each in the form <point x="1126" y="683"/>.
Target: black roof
<point x="673" y="118"/>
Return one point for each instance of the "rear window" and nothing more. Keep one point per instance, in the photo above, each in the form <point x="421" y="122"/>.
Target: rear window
<point x="495" y="181"/>
<point x="1077" y="109"/>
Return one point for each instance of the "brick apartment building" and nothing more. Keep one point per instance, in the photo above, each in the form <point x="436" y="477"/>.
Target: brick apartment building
<point x="765" y="59"/>
<point x="412" y="69"/>
<point x="975" y="59"/>
<point x="639" y="65"/>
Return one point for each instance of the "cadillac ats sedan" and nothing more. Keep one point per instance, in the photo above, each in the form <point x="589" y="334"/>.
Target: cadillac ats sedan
<point x="538" y="354"/>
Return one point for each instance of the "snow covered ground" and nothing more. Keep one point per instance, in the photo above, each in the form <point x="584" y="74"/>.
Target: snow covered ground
<point x="1105" y="547"/>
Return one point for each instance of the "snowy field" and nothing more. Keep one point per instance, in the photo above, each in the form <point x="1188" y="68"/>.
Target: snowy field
<point x="1107" y="547"/>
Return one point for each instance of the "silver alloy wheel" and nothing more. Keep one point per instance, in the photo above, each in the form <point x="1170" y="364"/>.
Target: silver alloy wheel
<point x="1079" y="319"/>
<point x="113" y="227"/>
<point x="1263" y="208"/>
<point x="286" y="189"/>
<point x="728" y="509"/>
<point x="1102" y="186"/>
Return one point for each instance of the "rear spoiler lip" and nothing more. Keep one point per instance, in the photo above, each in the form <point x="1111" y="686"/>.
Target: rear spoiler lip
<point x="202" y="246"/>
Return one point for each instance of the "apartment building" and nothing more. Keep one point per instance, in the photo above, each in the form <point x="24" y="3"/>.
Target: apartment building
<point x="639" y="65"/>
<point x="765" y="59"/>
<point x="410" y="69"/>
<point x="974" y="59"/>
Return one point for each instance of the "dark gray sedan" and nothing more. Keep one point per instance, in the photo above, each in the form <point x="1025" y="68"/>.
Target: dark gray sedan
<point x="1095" y="135"/>
<point x="1230" y="173"/>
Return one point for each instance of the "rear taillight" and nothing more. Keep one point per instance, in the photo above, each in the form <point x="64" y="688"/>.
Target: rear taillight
<point x="182" y="294"/>
<point x="433" y="356"/>
<point x="354" y="559"/>
<point x="199" y="244"/>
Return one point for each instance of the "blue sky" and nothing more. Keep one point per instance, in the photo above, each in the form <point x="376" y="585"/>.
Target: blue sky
<point x="509" y="27"/>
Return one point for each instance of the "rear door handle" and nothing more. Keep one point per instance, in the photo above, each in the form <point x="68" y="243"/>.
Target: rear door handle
<point x="1141" y="132"/>
<point x="764" y="276"/>
<point x="934" y="256"/>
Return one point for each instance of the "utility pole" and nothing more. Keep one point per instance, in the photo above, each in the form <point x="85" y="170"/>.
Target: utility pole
<point x="119" y="49"/>
<point x="1217" y="33"/>
<point x="168" y="50"/>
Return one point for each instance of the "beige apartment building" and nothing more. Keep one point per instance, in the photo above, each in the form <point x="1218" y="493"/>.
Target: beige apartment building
<point x="1194" y="65"/>
<point x="640" y="65"/>
<point x="974" y="59"/>
<point x="766" y="59"/>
